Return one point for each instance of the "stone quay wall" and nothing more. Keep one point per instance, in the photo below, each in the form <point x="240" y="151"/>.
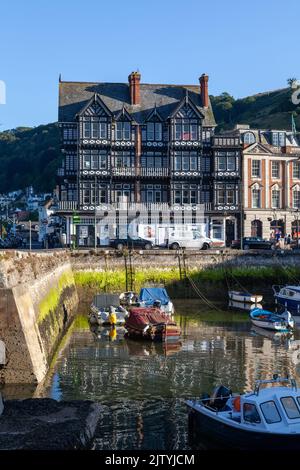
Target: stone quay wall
<point x="84" y="260"/>
<point x="38" y="299"/>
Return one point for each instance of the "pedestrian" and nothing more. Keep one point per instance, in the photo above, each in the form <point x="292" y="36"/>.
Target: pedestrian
<point x="288" y="242"/>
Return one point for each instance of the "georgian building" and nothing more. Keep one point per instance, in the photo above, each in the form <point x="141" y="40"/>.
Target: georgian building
<point x="271" y="181"/>
<point x="132" y="142"/>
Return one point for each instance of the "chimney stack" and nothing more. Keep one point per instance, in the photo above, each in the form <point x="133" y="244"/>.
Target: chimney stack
<point x="204" y="90"/>
<point x="134" y="86"/>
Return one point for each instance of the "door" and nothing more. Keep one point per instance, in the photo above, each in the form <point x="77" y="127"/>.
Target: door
<point x="256" y="228"/>
<point x="229" y="231"/>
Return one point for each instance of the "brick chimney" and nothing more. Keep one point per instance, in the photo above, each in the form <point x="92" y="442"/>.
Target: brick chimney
<point x="134" y="86"/>
<point x="204" y="90"/>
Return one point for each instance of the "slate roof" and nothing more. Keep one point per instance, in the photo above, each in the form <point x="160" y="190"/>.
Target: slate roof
<point x="73" y="96"/>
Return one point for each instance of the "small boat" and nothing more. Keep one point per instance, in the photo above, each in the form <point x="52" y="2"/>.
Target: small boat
<point x="272" y="321"/>
<point x="265" y="419"/>
<point x="129" y="298"/>
<point x="288" y="297"/>
<point x="152" y="324"/>
<point x="156" y="297"/>
<point x="106" y="310"/>
<point x="244" y="297"/>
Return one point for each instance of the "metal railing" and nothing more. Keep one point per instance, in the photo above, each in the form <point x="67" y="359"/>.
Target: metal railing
<point x="158" y="172"/>
<point x="124" y="171"/>
<point x="68" y="205"/>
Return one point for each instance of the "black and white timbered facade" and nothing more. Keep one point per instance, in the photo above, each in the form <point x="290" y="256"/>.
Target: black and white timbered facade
<point x="134" y="142"/>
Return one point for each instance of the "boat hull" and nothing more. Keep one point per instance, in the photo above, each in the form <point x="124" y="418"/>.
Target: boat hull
<point x="169" y="333"/>
<point x="290" y="304"/>
<point x="224" y="436"/>
<point x="268" y="325"/>
<point x="244" y="298"/>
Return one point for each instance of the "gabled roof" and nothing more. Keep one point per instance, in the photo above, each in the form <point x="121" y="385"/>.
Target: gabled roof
<point x="74" y="96"/>
<point x="95" y="99"/>
<point x="186" y="102"/>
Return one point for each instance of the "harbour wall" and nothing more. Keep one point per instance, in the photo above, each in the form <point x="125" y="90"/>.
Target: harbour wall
<point x="40" y="291"/>
<point x="213" y="272"/>
<point x="38" y="299"/>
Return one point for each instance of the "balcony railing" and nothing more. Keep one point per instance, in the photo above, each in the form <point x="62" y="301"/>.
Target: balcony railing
<point x="67" y="205"/>
<point x="124" y="171"/>
<point x="155" y="172"/>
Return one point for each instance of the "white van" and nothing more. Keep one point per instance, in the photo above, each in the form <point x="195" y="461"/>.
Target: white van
<point x="188" y="239"/>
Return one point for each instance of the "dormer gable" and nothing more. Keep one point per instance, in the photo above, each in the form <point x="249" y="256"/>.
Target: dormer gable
<point x="186" y="109"/>
<point x="95" y="108"/>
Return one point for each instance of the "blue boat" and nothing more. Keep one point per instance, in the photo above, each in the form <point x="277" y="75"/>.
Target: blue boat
<point x="271" y="321"/>
<point x="288" y="297"/>
<point x="156" y="297"/>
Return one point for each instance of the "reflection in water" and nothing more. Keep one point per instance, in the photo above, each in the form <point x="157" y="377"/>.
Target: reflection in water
<point x="144" y="385"/>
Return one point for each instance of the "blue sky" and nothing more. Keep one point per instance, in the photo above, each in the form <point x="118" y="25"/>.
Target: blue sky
<point x="244" y="47"/>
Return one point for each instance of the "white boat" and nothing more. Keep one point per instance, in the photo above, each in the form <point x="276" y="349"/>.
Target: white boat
<point x="106" y="310"/>
<point x="244" y="297"/>
<point x="265" y="419"/>
<point x="272" y="321"/>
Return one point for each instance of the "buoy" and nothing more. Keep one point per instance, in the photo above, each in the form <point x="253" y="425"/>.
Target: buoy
<point x="237" y="403"/>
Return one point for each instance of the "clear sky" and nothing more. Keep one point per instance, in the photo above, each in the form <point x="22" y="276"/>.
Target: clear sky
<point x="244" y="47"/>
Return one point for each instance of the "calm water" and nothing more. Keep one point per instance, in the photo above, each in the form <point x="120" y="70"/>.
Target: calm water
<point x="144" y="385"/>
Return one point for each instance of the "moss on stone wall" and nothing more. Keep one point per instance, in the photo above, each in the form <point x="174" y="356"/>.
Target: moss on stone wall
<point x="52" y="299"/>
<point x="248" y="276"/>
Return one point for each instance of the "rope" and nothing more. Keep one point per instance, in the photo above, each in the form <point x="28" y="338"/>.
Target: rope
<point x="286" y="269"/>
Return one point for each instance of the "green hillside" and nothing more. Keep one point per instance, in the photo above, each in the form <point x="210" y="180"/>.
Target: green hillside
<point x="31" y="156"/>
<point x="267" y="110"/>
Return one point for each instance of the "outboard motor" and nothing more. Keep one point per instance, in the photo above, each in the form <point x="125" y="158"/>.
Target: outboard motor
<point x="219" y="397"/>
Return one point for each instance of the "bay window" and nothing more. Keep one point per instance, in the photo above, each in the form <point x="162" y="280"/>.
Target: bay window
<point x="186" y="129"/>
<point x="123" y="130"/>
<point x="154" y="131"/>
<point x="185" y="161"/>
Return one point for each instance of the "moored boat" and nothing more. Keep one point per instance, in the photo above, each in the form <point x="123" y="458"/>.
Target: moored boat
<point x="272" y="321"/>
<point x="151" y="323"/>
<point x="106" y="310"/>
<point x="244" y="297"/>
<point x="156" y="297"/>
<point x="288" y="297"/>
<point x="265" y="419"/>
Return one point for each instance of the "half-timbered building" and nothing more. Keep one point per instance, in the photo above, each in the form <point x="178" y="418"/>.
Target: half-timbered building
<point x="132" y="142"/>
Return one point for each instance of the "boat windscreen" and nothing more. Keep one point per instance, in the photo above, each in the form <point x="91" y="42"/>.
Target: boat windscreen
<point x="290" y="407"/>
<point x="270" y="412"/>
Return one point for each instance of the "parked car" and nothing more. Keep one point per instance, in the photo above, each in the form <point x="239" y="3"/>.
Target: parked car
<point x="121" y="243"/>
<point x="256" y="243"/>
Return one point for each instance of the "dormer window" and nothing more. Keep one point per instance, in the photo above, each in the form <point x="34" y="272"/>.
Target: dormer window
<point x="278" y="139"/>
<point x="95" y="128"/>
<point x="154" y="131"/>
<point x="249" y="138"/>
<point x="123" y="130"/>
<point x="186" y="129"/>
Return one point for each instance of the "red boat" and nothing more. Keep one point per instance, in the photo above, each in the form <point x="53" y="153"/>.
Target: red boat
<point x="151" y="323"/>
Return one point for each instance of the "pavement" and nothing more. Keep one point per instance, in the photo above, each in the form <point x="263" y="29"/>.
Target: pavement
<point x="46" y="424"/>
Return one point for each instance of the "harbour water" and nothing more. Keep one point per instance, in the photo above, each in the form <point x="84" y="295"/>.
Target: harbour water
<point x="144" y="385"/>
